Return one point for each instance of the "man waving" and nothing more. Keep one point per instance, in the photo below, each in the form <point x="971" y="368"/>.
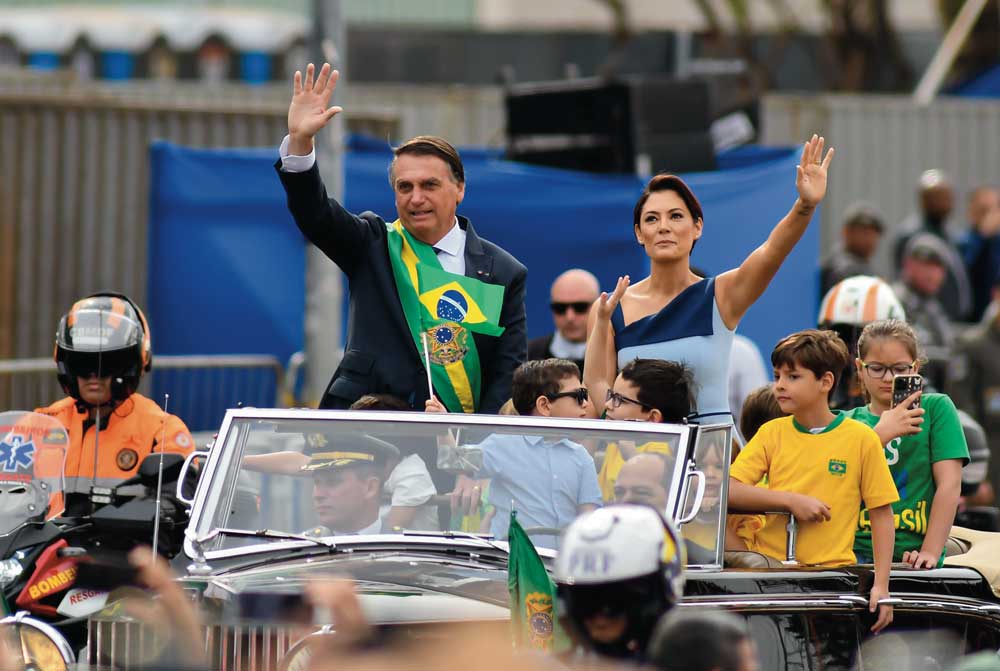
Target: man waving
<point x="422" y="288"/>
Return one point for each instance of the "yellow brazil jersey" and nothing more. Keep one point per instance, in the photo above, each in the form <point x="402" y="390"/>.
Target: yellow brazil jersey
<point x="613" y="462"/>
<point x="842" y="466"/>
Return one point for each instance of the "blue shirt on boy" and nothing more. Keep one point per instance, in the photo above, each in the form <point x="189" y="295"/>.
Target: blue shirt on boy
<point x="546" y="481"/>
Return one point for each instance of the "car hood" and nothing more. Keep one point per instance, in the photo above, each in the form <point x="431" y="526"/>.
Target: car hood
<point x="393" y="587"/>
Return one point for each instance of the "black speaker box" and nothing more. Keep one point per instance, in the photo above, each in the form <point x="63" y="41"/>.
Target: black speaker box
<point x="620" y="125"/>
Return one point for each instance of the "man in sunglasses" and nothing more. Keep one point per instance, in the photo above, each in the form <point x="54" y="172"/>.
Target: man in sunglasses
<point x="572" y="294"/>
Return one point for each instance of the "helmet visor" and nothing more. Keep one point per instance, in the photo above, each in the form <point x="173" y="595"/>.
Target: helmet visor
<point x="97" y="329"/>
<point x="113" y="363"/>
<point x="609" y="599"/>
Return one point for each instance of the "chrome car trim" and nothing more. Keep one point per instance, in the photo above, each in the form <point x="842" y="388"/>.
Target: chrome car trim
<point x="350" y="543"/>
<point x="699" y="493"/>
<point x="182" y="478"/>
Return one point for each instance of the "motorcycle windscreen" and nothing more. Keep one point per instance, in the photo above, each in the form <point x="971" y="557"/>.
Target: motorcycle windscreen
<point x="32" y="457"/>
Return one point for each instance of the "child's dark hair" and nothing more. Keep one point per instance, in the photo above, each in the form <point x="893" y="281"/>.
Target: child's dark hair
<point x="380" y="402"/>
<point x="818" y="350"/>
<point x="889" y="329"/>
<point x="539" y="378"/>
<point x="664" y="385"/>
<point x="759" y="408"/>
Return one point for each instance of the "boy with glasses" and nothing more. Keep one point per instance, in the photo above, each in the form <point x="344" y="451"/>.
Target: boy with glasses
<point x="549" y="481"/>
<point x="646" y="390"/>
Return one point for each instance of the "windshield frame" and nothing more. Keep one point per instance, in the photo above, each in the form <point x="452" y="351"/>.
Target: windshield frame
<point x="232" y="439"/>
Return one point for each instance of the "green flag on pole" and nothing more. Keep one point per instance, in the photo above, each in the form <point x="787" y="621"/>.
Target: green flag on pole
<point x="532" y="594"/>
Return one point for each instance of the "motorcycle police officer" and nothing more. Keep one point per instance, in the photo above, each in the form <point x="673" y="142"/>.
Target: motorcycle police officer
<point x="618" y="570"/>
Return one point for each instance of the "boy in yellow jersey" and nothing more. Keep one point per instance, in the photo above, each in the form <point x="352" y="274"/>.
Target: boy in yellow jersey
<point x="820" y="467"/>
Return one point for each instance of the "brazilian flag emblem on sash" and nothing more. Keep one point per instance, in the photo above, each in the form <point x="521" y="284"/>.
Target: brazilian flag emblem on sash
<point x="445" y="307"/>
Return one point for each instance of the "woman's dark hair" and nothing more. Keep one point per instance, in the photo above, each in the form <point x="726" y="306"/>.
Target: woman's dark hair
<point x="697" y="641"/>
<point x="664" y="385"/>
<point x="673" y="183"/>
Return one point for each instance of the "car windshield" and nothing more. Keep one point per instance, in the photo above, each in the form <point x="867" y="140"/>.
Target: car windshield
<point x="340" y="473"/>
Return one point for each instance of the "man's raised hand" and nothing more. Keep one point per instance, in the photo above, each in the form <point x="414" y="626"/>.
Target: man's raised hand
<point x="308" y="112"/>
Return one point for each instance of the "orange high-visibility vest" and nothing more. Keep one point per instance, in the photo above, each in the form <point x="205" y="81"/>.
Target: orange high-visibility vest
<point x="135" y="429"/>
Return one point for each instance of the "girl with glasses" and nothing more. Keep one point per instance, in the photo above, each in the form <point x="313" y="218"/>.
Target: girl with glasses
<point x="676" y="315"/>
<point x="925" y="446"/>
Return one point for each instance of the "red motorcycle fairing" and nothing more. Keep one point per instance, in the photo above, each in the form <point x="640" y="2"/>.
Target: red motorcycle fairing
<point x="52" y="576"/>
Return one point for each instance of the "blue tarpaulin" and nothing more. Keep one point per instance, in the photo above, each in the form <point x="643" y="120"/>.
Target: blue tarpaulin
<point x="984" y="85"/>
<point x="227" y="263"/>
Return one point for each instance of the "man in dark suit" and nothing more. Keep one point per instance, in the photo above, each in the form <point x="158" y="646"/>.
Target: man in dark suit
<point x="384" y="352"/>
<point x="571" y="295"/>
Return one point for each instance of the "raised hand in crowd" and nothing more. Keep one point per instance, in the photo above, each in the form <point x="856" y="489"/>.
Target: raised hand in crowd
<point x="810" y="174"/>
<point x="181" y="616"/>
<point x="601" y="363"/>
<point x="308" y="112"/>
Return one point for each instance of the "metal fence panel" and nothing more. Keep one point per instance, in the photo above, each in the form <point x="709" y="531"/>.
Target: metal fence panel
<point x="883" y="144"/>
<point x="201" y="388"/>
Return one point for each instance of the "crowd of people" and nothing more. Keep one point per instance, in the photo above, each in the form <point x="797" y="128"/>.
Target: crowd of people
<point x="437" y="324"/>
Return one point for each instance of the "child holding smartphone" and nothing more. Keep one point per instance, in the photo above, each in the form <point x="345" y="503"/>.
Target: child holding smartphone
<point x="924" y="446"/>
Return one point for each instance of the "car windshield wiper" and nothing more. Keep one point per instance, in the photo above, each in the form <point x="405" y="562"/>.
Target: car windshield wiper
<point x="485" y="539"/>
<point x="264" y="533"/>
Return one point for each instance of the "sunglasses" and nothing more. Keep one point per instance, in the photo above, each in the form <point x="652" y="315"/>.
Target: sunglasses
<point x="615" y="400"/>
<point x="579" y="395"/>
<point x="579" y="307"/>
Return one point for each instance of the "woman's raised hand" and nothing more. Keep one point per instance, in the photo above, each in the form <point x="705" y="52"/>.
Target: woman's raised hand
<point x="606" y="304"/>
<point x="810" y="177"/>
<point x="308" y="111"/>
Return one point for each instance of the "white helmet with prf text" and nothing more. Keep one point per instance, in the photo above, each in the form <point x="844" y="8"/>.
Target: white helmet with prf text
<point x="619" y="568"/>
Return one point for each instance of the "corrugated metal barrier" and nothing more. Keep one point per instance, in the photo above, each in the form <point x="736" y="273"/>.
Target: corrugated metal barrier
<point x="883" y="144"/>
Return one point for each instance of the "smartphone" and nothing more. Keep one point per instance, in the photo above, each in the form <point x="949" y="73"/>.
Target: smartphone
<point x="291" y="608"/>
<point x="904" y="386"/>
<point x="106" y="576"/>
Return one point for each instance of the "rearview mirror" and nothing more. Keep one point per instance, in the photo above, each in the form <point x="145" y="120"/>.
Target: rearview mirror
<point x="150" y="467"/>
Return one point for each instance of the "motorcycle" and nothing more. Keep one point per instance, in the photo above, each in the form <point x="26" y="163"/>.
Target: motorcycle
<point x="61" y="553"/>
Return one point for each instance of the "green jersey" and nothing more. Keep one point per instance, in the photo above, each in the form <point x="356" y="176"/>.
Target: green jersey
<point x="910" y="461"/>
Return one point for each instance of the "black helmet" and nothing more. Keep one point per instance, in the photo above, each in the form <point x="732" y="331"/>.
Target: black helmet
<point x="106" y="334"/>
<point x="620" y="561"/>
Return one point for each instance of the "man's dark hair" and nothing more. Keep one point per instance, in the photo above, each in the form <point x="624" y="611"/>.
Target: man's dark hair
<point x="759" y="408"/>
<point x="380" y="402"/>
<point x="664" y="385"/>
<point x="817" y="350"/>
<point x="539" y="378"/>
<point x="697" y="641"/>
<point x="431" y="145"/>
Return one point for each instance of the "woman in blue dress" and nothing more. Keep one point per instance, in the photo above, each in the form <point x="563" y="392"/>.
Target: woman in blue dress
<point x="676" y="315"/>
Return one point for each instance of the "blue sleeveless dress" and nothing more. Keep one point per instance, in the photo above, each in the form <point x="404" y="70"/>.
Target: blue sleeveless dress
<point x="689" y="329"/>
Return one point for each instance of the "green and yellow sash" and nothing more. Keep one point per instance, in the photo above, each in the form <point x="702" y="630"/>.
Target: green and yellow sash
<point x="446" y="307"/>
